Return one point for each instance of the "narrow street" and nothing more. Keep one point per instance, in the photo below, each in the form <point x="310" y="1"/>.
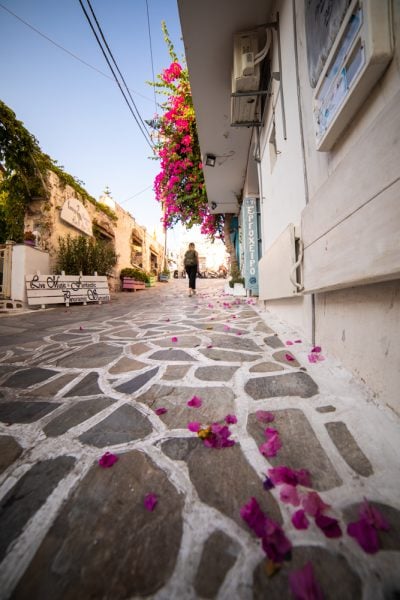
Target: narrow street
<point x="82" y="381"/>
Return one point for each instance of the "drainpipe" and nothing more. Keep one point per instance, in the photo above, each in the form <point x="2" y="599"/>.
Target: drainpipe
<point x="303" y="151"/>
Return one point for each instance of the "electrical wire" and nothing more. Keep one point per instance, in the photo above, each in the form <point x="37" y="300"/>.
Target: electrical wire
<point x="43" y="35"/>
<point x="143" y="131"/>
<point x="116" y="65"/>
<point x="137" y="194"/>
<point x="151" y="55"/>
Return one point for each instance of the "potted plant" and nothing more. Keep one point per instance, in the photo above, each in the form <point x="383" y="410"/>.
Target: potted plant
<point x="29" y="238"/>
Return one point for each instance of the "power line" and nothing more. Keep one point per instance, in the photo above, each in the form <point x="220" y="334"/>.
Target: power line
<point x="137" y="194"/>
<point x="43" y="35"/>
<point x="116" y="65"/>
<point x="143" y="132"/>
<point x="151" y="55"/>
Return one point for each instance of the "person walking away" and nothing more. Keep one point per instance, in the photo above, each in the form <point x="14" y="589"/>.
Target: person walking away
<point x="191" y="263"/>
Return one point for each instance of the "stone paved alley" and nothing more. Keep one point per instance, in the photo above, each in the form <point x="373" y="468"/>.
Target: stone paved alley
<point x="79" y="382"/>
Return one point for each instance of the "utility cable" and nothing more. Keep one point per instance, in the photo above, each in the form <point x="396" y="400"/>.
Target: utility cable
<point x="43" y="35"/>
<point x="137" y="194"/>
<point x="143" y="132"/>
<point x="151" y="55"/>
<point x="116" y="65"/>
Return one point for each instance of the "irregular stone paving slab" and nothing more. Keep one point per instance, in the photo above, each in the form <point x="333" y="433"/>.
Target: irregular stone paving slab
<point x="326" y="409"/>
<point x="172" y="355"/>
<point x="104" y="543"/>
<point x="72" y="337"/>
<point x="180" y="448"/>
<point x="89" y="386"/>
<point x="388" y="540"/>
<point x="234" y="343"/>
<point x="175" y="372"/>
<point x="263" y="328"/>
<point x="25" y="412"/>
<point x="9" y="451"/>
<point x="349" y="449"/>
<point x="91" y="357"/>
<point x="184" y="341"/>
<point x="126" y="364"/>
<point x="215" y="373"/>
<point x="126" y="334"/>
<point x="51" y="388"/>
<point x="5" y="369"/>
<point x="274" y="342"/>
<point x="290" y="384"/>
<point x="76" y="414"/>
<point x="229" y="356"/>
<point x="266" y="367"/>
<point x="123" y="425"/>
<point x="219" y="555"/>
<point x="28" y="495"/>
<point x="149" y="326"/>
<point x="332" y="572"/>
<point x="140" y="348"/>
<point x="281" y="357"/>
<point x="300" y="447"/>
<point x="226" y="488"/>
<point x="28" y="377"/>
<point x="217" y="402"/>
<point x="131" y="386"/>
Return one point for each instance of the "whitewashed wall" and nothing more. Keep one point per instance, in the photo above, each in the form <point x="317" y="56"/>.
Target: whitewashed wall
<point x="26" y="260"/>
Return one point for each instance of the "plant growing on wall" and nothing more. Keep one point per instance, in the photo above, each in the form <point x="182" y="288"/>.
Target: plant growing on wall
<point x="86" y="255"/>
<point x="25" y="175"/>
<point x="180" y="185"/>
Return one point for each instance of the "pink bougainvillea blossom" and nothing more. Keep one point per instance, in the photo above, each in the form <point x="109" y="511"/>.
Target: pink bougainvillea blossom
<point x="365" y="530"/>
<point x="289" y="343"/>
<point x="297" y="341"/>
<point x="314" y="357"/>
<point x="289" y="494"/>
<point x="194" y="426"/>
<point x="289" y="357"/>
<point x="195" y="402"/>
<point x="328" y="525"/>
<point x="313" y="504"/>
<point x="150" y="501"/>
<point x="283" y="474"/>
<point x="174" y="339"/>
<point x="218" y="437"/>
<point x="316" y="349"/>
<point x="272" y="445"/>
<point x="299" y="519"/>
<point x="303" y="584"/>
<point x="254" y="517"/>
<point x="107" y="460"/>
<point x="231" y="419"/>
<point x="264" y="416"/>
<point x="161" y="411"/>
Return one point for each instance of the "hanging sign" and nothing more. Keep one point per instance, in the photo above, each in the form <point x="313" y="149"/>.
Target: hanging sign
<point x="74" y="213"/>
<point x="250" y="244"/>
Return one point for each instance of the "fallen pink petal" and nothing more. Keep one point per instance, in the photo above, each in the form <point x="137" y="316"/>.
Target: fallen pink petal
<point x="226" y="328"/>
<point x="314" y="358"/>
<point x="289" y="495"/>
<point x="267" y="484"/>
<point x="371" y="514"/>
<point x="289" y="343"/>
<point x="230" y="419"/>
<point x="264" y="416"/>
<point x="283" y="474"/>
<point x="174" y="339"/>
<point x="297" y="341"/>
<point x="194" y="426"/>
<point x="303" y="584"/>
<point x="289" y="357"/>
<point x="150" y="502"/>
<point x="161" y="411"/>
<point x="108" y="460"/>
<point x="275" y="543"/>
<point x="329" y="526"/>
<point x="209" y="346"/>
<point x="313" y="504"/>
<point x="252" y="514"/>
<point x="299" y="519"/>
<point x="218" y="437"/>
<point x="195" y="402"/>
<point x="272" y="446"/>
<point x="316" y="349"/>
<point x="365" y="534"/>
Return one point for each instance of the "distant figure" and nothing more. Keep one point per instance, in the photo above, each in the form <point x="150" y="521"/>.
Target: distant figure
<point x="191" y="263"/>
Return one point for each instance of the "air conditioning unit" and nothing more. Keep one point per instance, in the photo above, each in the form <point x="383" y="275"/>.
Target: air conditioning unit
<point x="359" y="56"/>
<point x="245" y="78"/>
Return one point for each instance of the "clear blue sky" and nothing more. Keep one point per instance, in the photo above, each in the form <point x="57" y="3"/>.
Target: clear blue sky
<point x="79" y="116"/>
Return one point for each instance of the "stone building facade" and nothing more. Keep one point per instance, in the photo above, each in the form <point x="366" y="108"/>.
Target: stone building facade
<point x="66" y="212"/>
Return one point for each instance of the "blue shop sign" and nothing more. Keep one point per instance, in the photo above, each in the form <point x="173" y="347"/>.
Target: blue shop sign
<point x="250" y="244"/>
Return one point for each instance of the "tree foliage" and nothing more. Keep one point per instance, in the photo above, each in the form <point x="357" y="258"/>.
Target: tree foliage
<point x="180" y="186"/>
<point x="86" y="255"/>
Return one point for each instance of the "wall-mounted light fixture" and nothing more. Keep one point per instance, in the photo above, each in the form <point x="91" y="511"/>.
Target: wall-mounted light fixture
<point x="210" y="160"/>
<point x="214" y="205"/>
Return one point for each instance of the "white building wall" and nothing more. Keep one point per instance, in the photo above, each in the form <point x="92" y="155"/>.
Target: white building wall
<point x="26" y="260"/>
